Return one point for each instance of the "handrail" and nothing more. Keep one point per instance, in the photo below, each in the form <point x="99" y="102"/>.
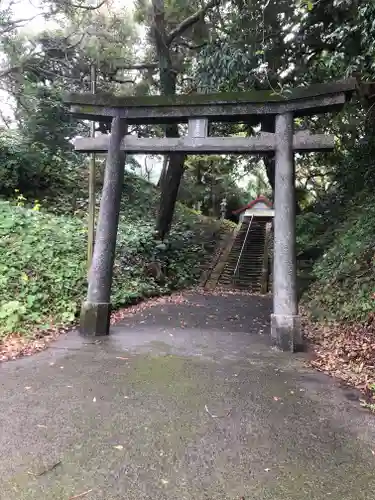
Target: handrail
<point x="265" y="266"/>
<point x="243" y="244"/>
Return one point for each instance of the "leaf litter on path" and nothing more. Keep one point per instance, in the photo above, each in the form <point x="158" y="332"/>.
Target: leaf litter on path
<point x="120" y="314"/>
<point x="16" y="345"/>
<point x="345" y="351"/>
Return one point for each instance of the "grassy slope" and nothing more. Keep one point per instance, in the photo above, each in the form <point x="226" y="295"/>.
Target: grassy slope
<point x="345" y="274"/>
<point x="43" y="257"/>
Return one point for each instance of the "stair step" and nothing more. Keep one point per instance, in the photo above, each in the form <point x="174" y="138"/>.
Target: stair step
<point x="245" y="273"/>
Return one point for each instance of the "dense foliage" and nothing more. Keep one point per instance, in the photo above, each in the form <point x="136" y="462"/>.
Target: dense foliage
<point x="345" y="272"/>
<point x="170" y="47"/>
<point x="336" y="232"/>
<point x="343" y="249"/>
<point x="43" y="258"/>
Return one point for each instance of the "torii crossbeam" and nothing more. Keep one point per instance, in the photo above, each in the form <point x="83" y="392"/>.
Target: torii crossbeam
<point x="303" y="142"/>
<point x="197" y="110"/>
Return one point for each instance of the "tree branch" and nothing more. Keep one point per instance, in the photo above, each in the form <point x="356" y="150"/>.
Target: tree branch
<point x="191" y="46"/>
<point x="88" y="7"/>
<point x="119" y="80"/>
<point x="119" y="65"/>
<point x="8" y="71"/>
<point x="74" y="45"/>
<point x="8" y="25"/>
<point x="189" y="21"/>
<point x="5" y="120"/>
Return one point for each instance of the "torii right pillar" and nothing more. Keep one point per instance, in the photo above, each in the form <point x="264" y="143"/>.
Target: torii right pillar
<point x="285" y="320"/>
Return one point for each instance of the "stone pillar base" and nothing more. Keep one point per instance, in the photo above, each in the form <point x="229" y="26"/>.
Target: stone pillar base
<point x="286" y="332"/>
<point x="95" y="318"/>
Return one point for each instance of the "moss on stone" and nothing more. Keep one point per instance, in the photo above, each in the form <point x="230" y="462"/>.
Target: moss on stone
<point x="87" y="108"/>
<point x="172" y="374"/>
<point x="253" y="96"/>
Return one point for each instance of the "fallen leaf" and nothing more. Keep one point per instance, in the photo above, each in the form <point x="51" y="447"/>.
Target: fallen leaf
<point x="276" y="398"/>
<point x="49" y="469"/>
<point x="208" y="411"/>
<point x="80" y="495"/>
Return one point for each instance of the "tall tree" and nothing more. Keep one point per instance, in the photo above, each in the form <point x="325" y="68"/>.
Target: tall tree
<point x="176" y="30"/>
<point x="207" y="181"/>
<point x="250" y="49"/>
<point x="41" y="65"/>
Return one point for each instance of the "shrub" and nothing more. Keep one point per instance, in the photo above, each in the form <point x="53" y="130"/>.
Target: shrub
<point x="345" y="273"/>
<point x="43" y="260"/>
<point x="41" y="266"/>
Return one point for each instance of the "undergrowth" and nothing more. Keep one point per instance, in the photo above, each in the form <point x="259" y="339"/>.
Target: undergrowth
<point x="344" y="275"/>
<point x="43" y="257"/>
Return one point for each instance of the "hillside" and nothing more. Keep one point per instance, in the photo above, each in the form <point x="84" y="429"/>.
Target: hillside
<point x="343" y="274"/>
<point x="43" y="256"/>
<point x="339" y="303"/>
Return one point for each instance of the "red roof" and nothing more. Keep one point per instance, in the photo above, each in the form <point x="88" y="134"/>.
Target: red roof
<point x="260" y="198"/>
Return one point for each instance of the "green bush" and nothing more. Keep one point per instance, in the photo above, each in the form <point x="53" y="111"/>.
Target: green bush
<point x="34" y="169"/>
<point x="309" y="228"/>
<point x="345" y="274"/>
<point x="42" y="269"/>
<point x="43" y="259"/>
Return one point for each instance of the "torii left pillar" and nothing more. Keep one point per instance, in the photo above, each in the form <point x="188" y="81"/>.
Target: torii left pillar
<point x="96" y="310"/>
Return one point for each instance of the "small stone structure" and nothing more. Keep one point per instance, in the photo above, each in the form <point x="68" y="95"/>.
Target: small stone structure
<point x="223" y="208"/>
<point x="198" y="110"/>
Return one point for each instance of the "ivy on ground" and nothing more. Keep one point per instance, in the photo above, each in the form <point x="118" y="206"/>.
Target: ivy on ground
<point x="344" y="275"/>
<point x="43" y="270"/>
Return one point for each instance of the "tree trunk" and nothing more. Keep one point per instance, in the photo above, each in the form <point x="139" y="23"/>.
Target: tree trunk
<point x="163" y="171"/>
<point x="168" y="75"/>
<point x="173" y="173"/>
<point x="169" y="192"/>
<point x="268" y="125"/>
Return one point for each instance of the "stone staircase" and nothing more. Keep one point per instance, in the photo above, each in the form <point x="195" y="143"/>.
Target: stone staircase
<point x="249" y="272"/>
<point x="219" y="260"/>
<point x="210" y="275"/>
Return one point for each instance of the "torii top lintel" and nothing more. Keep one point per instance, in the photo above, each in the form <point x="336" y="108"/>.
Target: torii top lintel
<point x="224" y="107"/>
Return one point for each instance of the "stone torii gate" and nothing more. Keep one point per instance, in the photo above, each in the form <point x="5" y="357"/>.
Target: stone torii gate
<point x="198" y="110"/>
